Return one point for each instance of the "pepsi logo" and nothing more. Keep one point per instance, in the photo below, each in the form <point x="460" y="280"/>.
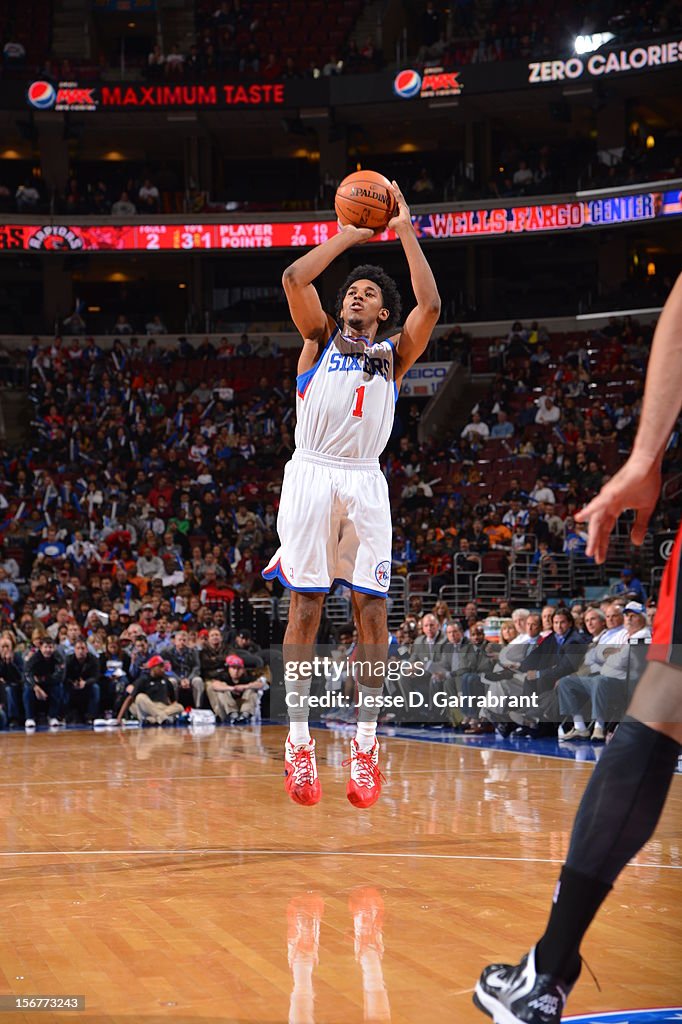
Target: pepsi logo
<point x="42" y="95"/>
<point x="407" y="84"/>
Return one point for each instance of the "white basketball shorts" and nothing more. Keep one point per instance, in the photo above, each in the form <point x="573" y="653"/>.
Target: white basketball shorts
<point x="334" y="526"/>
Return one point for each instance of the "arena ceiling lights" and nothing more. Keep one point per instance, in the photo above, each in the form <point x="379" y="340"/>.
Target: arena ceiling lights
<point x="588" y="44"/>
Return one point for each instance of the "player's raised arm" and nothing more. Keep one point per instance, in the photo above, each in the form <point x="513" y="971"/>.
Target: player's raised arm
<point x="424" y="317"/>
<point x="637" y="484"/>
<point x="304" y="302"/>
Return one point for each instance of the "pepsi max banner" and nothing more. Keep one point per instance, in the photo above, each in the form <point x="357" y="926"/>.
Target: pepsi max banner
<point x="452" y="224"/>
<point x="71" y="97"/>
<point x="418" y="84"/>
<point x="428" y="84"/>
<point x="410" y="84"/>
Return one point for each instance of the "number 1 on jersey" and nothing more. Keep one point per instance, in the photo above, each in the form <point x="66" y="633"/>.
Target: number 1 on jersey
<point x="360" y="393"/>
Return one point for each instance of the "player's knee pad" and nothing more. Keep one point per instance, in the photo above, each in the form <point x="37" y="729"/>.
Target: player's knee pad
<point x="623" y="801"/>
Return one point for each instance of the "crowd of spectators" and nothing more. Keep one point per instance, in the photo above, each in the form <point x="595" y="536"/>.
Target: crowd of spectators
<point x="147" y="496"/>
<point x="125" y="192"/>
<point x="577" y="663"/>
<point x="455" y="34"/>
<point x="242" y="37"/>
<point x="115" y="535"/>
<point x="522" y="169"/>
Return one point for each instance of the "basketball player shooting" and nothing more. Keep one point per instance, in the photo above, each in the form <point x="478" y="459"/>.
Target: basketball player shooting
<point x="334" y="520"/>
<point x="627" y="791"/>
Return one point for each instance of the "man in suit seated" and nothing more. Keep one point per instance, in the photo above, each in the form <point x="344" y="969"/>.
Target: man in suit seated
<point x="559" y="654"/>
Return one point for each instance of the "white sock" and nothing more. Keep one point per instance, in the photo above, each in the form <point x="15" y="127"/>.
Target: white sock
<point x="298" y="712"/>
<point x="599" y="724"/>
<point x="299" y="732"/>
<point x="366" y="735"/>
<point x="579" y="723"/>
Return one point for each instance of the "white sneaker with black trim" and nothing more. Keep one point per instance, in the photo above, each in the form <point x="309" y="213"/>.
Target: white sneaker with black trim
<point x="517" y="994"/>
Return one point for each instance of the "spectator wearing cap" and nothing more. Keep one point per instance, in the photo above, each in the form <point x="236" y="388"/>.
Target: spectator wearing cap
<point x="153" y="696"/>
<point x="607" y="691"/>
<point x="245" y="648"/>
<point x="630" y="585"/>
<point x="235" y="700"/>
<point x="186" y="671"/>
<point x="147" y="621"/>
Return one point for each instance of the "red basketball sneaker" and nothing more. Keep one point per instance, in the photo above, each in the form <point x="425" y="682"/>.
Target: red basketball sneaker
<point x="364" y="785"/>
<point x="300" y="773"/>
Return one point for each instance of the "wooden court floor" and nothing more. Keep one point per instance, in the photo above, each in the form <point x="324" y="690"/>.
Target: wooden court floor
<point x="166" y="877"/>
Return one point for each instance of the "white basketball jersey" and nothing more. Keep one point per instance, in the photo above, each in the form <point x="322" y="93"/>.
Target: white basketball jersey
<point x="346" y="402"/>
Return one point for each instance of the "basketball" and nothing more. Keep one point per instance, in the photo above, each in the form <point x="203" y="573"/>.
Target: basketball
<point x="363" y="199"/>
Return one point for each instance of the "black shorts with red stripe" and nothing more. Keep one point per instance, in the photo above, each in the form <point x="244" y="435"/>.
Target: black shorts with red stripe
<point x="666" y="642"/>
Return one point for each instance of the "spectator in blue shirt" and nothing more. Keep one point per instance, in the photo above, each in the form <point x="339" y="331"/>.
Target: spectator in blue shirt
<point x="8" y="590"/>
<point x="503" y="427"/>
<point x="51" y="547"/>
<point x="628" y="584"/>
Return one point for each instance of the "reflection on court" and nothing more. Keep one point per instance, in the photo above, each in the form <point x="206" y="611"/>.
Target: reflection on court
<point x="166" y="876"/>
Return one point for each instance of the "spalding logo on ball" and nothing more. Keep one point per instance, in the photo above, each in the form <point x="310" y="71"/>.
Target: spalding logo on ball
<point x="407" y="84"/>
<point x="42" y="95"/>
<point x="363" y="199"/>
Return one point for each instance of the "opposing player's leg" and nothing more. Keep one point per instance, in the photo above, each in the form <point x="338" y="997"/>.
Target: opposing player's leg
<point x="364" y="785"/>
<point x="617" y="816"/>
<point x="300" y="766"/>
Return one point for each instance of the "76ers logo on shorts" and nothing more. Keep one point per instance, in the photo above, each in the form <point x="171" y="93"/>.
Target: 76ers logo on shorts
<point x="42" y="95"/>
<point x="407" y="84"/>
<point x="382" y="574"/>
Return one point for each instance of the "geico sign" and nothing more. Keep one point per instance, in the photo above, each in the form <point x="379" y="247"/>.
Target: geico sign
<point x="426" y="372"/>
<point x="655" y="55"/>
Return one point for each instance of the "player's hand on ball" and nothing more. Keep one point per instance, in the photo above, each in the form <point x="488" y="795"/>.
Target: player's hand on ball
<point x="402" y="218"/>
<point x="358" y="235"/>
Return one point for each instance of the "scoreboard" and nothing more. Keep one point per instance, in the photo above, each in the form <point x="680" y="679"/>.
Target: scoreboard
<point x="516" y="218"/>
